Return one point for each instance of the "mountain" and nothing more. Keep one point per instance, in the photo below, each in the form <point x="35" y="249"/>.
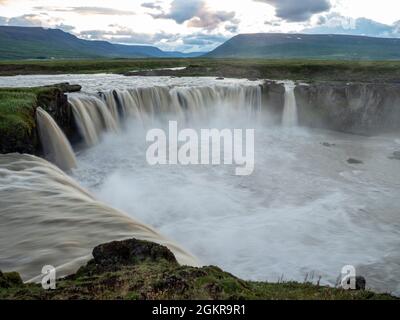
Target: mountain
<point x="292" y="46"/>
<point x="41" y="43"/>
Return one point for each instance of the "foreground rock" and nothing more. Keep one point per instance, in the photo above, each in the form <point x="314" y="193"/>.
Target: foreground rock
<point x="134" y="269"/>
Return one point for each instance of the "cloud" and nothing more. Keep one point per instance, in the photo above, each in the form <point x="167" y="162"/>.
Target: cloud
<point x="335" y="23"/>
<point x="27" y="20"/>
<point x="298" y="10"/>
<point x="197" y="13"/>
<point x="121" y="34"/>
<point x="152" y="5"/>
<point x="88" y="10"/>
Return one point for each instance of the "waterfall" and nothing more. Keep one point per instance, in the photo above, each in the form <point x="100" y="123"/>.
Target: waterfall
<point x="92" y="116"/>
<point x="56" y="146"/>
<point x="289" y="118"/>
<point x="48" y="219"/>
<point x="107" y="111"/>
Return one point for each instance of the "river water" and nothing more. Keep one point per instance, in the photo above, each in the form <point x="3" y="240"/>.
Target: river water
<point x="304" y="213"/>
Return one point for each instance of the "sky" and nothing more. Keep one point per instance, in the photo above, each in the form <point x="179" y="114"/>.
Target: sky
<point x="202" y="25"/>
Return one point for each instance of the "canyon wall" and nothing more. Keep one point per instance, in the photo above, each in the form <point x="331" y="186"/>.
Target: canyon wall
<point x="359" y="108"/>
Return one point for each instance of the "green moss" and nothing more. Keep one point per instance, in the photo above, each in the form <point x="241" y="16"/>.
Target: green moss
<point x="168" y="281"/>
<point x="17" y="117"/>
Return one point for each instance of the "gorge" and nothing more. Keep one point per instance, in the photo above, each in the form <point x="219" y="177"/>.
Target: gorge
<point x="304" y="210"/>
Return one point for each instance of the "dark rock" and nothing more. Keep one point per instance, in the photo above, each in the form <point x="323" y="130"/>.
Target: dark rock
<point x="66" y="87"/>
<point x="360" y="283"/>
<point x="220" y="78"/>
<point x="327" y="144"/>
<point x="10" y="279"/>
<point x="273" y="100"/>
<point x="131" y="252"/>
<point x="395" y="156"/>
<point x="359" y="108"/>
<point x="354" y="161"/>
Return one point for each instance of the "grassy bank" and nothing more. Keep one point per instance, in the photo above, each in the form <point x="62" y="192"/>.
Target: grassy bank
<point x="310" y="70"/>
<point x="17" y="115"/>
<point x="132" y="270"/>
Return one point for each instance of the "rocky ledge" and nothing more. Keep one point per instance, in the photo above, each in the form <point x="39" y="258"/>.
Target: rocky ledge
<point x="134" y="269"/>
<point x="17" y="115"/>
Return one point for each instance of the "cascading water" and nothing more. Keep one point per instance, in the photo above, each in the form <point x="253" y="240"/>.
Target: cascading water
<point x="47" y="218"/>
<point x="107" y="112"/>
<point x="289" y="117"/>
<point x="56" y="146"/>
<point x="92" y="116"/>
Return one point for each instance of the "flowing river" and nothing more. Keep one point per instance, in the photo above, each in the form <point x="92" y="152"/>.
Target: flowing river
<point x="304" y="213"/>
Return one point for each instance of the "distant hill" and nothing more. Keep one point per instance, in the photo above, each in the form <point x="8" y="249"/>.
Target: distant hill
<point x="40" y="43"/>
<point x="292" y="46"/>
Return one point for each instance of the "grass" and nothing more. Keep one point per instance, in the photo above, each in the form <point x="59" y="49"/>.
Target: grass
<point x="166" y="281"/>
<point x="309" y="70"/>
<point x="17" y="117"/>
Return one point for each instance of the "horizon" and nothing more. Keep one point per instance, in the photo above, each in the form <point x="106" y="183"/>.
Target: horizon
<point x="200" y="25"/>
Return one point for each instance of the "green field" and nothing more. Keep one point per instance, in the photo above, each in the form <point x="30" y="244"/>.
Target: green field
<point x="309" y="70"/>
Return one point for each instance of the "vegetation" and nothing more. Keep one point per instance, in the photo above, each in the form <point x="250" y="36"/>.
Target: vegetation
<point x="308" y="70"/>
<point x="17" y="115"/>
<point x="133" y="270"/>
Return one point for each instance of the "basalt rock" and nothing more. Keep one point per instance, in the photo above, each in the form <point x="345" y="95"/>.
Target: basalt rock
<point x="359" y="108"/>
<point x="273" y="99"/>
<point x="131" y="252"/>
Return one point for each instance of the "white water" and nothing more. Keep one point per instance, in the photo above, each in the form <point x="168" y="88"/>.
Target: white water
<point x="289" y="117"/>
<point x="305" y="210"/>
<point x="190" y="105"/>
<point x="56" y="146"/>
<point x="48" y="219"/>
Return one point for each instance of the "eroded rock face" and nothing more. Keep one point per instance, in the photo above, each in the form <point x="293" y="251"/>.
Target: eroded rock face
<point x="131" y="252"/>
<point x="354" y="108"/>
<point x="273" y="100"/>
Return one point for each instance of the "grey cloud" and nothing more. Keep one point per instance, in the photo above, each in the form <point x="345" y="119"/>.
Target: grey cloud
<point x="27" y="20"/>
<point x="125" y="35"/>
<point x="298" y="10"/>
<point x="65" y="27"/>
<point x="197" y="13"/>
<point x="88" y="10"/>
<point x="151" y="5"/>
<point x="334" y="23"/>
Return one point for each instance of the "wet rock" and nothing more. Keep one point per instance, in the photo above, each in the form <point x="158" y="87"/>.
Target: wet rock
<point x="10" y="279"/>
<point x="358" y="108"/>
<point x="327" y="144"/>
<point x="395" y="156"/>
<point x="360" y="283"/>
<point x="131" y="252"/>
<point x="220" y="78"/>
<point x="354" y="161"/>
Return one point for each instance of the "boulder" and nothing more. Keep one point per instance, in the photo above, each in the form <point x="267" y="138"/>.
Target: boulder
<point x="131" y="252"/>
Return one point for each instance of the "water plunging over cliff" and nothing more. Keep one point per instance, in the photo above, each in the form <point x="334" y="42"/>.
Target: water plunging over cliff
<point x="289" y="117"/>
<point x="108" y="110"/>
<point x="56" y="146"/>
<point x="47" y="218"/>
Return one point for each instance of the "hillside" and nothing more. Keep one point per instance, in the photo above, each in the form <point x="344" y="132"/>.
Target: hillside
<point x="304" y="46"/>
<point x="40" y="43"/>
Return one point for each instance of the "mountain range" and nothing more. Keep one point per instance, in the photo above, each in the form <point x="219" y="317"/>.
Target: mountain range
<point x="308" y="46"/>
<point x="41" y="43"/>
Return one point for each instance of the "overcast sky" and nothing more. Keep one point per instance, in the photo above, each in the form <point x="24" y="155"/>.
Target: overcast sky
<point x="201" y="25"/>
